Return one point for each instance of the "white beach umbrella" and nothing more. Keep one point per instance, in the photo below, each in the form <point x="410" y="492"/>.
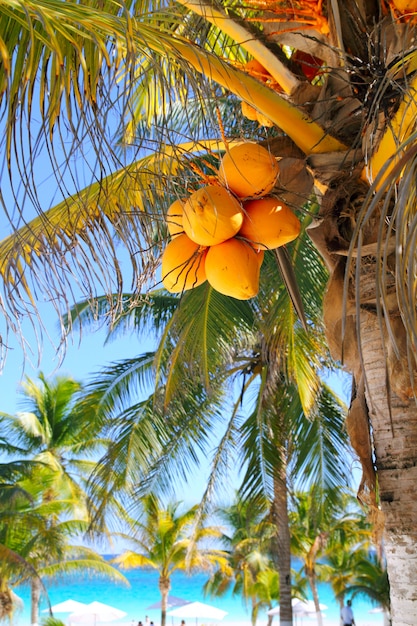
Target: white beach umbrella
<point x="96" y="612"/>
<point x="300" y="607"/>
<point x="68" y="606"/>
<point x="307" y="607"/>
<point x="198" y="610"/>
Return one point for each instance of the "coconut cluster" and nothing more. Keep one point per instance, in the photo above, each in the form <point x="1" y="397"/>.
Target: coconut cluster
<point x="220" y="232"/>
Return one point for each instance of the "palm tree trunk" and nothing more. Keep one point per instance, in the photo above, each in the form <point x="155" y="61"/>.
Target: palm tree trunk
<point x="35" y="594"/>
<point x="164" y="587"/>
<point x="311" y="573"/>
<point x="254" y="612"/>
<point x="282" y="554"/>
<point x="313" y="587"/>
<point x="394" y="425"/>
<point x="384" y="399"/>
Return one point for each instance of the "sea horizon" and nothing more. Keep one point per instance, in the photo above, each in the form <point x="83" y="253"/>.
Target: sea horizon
<point x="143" y="592"/>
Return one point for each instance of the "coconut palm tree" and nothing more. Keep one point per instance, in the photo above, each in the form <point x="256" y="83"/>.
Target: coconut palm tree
<point x="46" y="506"/>
<point x="371" y="580"/>
<point x="162" y="539"/>
<point x="351" y="127"/>
<point x="277" y="442"/>
<point x="339" y="568"/>
<point x="354" y="570"/>
<point x="247" y="540"/>
<point x="317" y="531"/>
<point x="39" y="542"/>
<point x="52" y="433"/>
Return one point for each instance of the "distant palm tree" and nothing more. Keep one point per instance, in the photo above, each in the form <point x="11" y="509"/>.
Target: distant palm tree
<point x="56" y="436"/>
<point x="317" y="531"/>
<point x="247" y="539"/>
<point x="37" y="536"/>
<point x="45" y="507"/>
<point x="266" y="589"/>
<point x="165" y="540"/>
<point x="339" y="567"/>
<point x="370" y="580"/>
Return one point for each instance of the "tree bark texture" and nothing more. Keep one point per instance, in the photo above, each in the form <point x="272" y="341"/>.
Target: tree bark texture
<point x="283" y="541"/>
<point x="164" y="587"/>
<point x="35" y="593"/>
<point x="394" y="428"/>
<point x="371" y="341"/>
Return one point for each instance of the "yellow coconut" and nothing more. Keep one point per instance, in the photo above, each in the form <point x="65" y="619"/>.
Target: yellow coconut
<point x="249" y="170"/>
<point x="174" y="218"/>
<point x="269" y="223"/>
<point x="233" y="268"/>
<point x="183" y="264"/>
<point x="212" y="215"/>
<point x="405" y="6"/>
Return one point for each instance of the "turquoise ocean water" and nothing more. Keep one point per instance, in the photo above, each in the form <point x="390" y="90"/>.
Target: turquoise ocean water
<point x="143" y="592"/>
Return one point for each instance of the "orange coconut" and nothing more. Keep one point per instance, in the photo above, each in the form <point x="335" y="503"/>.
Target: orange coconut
<point x="233" y="268"/>
<point x="405" y="6"/>
<point x="174" y="218"/>
<point x="212" y="215"/>
<point x="249" y="170"/>
<point x="183" y="264"/>
<point x="252" y="114"/>
<point x="269" y="223"/>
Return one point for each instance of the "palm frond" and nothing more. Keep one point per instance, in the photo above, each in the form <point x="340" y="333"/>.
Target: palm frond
<point x="323" y="456"/>
<point x="206" y="329"/>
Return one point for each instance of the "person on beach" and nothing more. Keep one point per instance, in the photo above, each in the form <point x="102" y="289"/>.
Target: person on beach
<point x="346" y="614"/>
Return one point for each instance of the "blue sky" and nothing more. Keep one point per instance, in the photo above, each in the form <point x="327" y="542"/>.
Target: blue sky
<point x="82" y="357"/>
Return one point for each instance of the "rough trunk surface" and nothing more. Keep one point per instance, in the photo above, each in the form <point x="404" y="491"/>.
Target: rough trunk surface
<point x="164" y="587"/>
<point x="371" y="341"/>
<point x="35" y="597"/>
<point x="283" y="539"/>
<point x="394" y="427"/>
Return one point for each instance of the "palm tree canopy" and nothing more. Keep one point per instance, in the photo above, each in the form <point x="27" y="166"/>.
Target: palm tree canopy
<point x="166" y="541"/>
<point x="211" y="352"/>
<point x="86" y="55"/>
<point x="56" y="437"/>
